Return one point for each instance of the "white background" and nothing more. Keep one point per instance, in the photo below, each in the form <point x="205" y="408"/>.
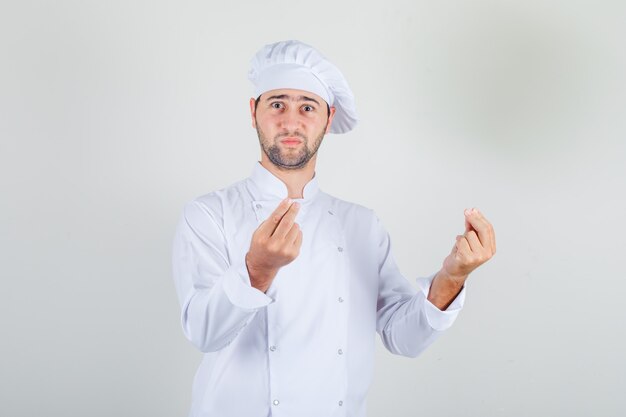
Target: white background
<point x="113" y="114"/>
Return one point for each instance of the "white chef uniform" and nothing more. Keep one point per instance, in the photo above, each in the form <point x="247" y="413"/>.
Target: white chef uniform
<point x="305" y="348"/>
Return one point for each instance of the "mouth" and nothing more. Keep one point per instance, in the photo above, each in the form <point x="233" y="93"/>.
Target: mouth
<point x="291" y="141"/>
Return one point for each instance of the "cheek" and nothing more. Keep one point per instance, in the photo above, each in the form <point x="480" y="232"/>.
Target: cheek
<point x="268" y="120"/>
<point x="263" y="122"/>
<point x="320" y="123"/>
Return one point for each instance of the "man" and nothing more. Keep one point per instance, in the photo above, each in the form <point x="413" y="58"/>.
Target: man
<point x="284" y="286"/>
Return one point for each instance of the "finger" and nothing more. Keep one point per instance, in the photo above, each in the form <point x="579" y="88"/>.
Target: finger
<point x="286" y="222"/>
<point x="456" y="243"/>
<point x="474" y="243"/>
<point x="490" y="228"/>
<point x="269" y="225"/>
<point x="480" y="225"/>
<point x="292" y="234"/>
<point x="298" y="242"/>
<point x="493" y="233"/>
<point x="281" y="210"/>
<point x="463" y="247"/>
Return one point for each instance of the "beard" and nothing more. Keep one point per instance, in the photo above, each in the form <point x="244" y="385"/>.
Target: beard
<point x="289" y="158"/>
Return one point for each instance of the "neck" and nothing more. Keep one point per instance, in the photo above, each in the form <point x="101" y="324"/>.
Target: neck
<point x="294" y="179"/>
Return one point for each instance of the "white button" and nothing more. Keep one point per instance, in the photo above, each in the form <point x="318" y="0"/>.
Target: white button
<point x="272" y="348"/>
<point x="276" y="402"/>
<point x="340" y="249"/>
<point x="340" y="403"/>
<point x="340" y="351"/>
<point x="258" y="206"/>
<point x="331" y="213"/>
<point x="340" y="300"/>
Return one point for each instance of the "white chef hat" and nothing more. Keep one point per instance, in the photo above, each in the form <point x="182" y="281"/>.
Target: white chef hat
<point x="293" y="64"/>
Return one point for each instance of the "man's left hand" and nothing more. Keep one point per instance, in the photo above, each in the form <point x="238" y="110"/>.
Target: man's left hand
<point x="472" y="249"/>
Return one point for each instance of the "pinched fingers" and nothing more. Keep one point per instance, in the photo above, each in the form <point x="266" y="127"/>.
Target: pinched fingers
<point x="473" y="241"/>
<point x="287" y="222"/>
<point x="465" y="258"/>
<point x="269" y="253"/>
<point x="268" y="226"/>
<point x="283" y="249"/>
<point x="478" y="254"/>
<point x="471" y="249"/>
<point x="491" y="232"/>
<point x="483" y="228"/>
<point x="272" y="245"/>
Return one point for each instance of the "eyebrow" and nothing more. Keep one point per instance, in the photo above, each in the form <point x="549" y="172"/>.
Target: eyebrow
<point x="292" y="98"/>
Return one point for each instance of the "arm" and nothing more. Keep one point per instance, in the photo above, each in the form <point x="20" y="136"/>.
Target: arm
<point x="216" y="298"/>
<point x="409" y="324"/>
<point x="406" y="320"/>
<point x="219" y="296"/>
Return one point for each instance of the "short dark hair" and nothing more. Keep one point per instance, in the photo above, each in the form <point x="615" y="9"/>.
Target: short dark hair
<point x="256" y="104"/>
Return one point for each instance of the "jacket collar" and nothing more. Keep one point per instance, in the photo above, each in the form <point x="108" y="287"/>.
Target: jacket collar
<point x="268" y="187"/>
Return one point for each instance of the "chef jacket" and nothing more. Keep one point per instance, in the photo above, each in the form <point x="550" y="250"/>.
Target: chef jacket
<point x="306" y="346"/>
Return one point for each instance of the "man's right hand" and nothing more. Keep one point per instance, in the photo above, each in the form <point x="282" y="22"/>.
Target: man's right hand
<point x="275" y="243"/>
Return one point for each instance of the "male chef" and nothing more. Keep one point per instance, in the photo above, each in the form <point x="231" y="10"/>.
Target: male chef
<point x="282" y="286"/>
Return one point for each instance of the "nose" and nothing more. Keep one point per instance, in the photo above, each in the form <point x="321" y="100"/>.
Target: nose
<point x="290" y="120"/>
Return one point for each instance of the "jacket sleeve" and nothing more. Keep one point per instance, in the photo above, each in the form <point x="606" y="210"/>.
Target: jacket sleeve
<point x="216" y="298"/>
<point x="406" y="321"/>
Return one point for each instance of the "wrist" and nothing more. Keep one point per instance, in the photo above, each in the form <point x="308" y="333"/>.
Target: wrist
<point x="444" y="289"/>
<point x="260" y="278"/>
<point x="453" y="280"/>
<point x="450" y="278"/>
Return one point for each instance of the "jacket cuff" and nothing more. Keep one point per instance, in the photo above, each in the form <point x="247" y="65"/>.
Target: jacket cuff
<point x="236" y="286"/>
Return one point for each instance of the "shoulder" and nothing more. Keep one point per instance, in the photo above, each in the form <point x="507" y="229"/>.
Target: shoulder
<point x="215" y="201"/>
<point x="212" y="205"/>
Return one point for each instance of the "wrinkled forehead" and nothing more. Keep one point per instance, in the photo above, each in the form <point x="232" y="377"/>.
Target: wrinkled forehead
<point x="292" y="95"/>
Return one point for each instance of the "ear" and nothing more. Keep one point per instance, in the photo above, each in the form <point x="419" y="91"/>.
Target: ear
<point x="252" y="112"/>
<point x="330" y="119"/>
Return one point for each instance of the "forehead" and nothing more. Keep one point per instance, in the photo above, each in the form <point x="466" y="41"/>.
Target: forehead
<point x="292" y="95"/>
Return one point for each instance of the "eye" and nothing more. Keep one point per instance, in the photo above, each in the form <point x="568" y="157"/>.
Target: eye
<point x="276" y="105"/>
<point x="308" y="108"/>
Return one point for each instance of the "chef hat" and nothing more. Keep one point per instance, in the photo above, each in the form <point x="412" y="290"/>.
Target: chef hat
<point x="293" y="64"/>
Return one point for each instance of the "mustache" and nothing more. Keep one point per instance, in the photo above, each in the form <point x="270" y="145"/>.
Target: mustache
<point x="291" y="135"/>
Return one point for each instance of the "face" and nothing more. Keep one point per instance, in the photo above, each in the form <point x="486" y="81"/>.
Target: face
<point x="291" y="125"/>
